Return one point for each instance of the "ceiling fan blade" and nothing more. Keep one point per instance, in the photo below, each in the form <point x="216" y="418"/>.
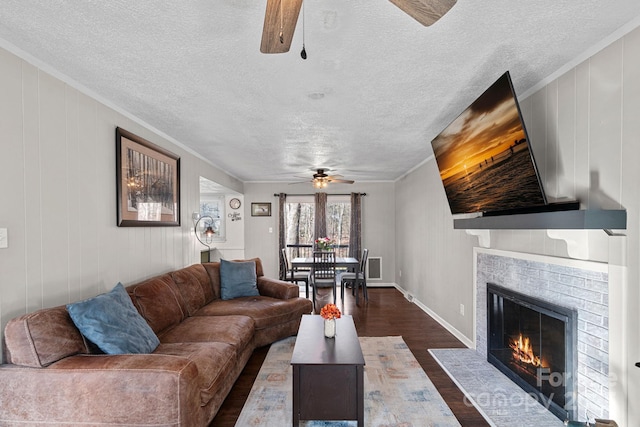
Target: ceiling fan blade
<point x="425" y="12"/>
<point x="280" y="21"/>
<point x="342" y="181"/>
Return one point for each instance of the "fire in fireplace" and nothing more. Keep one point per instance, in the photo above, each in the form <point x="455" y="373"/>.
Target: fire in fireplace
<point x="523" y="351"/>
<point x="533" y="342"/>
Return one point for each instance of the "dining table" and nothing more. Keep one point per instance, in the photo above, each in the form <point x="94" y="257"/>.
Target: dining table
<point x="348" y="263"/>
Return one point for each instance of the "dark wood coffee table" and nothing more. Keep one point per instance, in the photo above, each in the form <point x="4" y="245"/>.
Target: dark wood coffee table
<point x="327" y="372"/>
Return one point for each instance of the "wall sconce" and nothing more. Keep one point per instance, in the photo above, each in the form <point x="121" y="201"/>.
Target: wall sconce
<point x="235" y="216"/>
<point x="208" y="233"/>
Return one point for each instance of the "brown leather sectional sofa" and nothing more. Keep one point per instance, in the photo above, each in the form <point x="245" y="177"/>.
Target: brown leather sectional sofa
<point x="53" y="376"/>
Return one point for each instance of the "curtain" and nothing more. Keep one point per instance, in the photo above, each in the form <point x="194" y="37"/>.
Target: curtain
<point x="282" y="199"/>
<point x="355" y="239"/>
<point x="320" y="215"/>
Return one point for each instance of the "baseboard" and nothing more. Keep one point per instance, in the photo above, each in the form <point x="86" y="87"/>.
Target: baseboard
<point x="380" y="285"/>
<point x="459" y="335"/>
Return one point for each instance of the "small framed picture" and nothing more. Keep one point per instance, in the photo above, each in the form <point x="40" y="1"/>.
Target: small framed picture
<point x="260" y="209"/>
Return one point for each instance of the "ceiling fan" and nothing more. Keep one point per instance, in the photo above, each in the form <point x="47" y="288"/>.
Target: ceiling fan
<point x="281" y="17"/>
<point x="322" y="180"/>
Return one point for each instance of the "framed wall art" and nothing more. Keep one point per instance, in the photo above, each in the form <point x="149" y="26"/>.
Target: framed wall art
<point x="260" y="209"/>
<point x="148" y="183"/>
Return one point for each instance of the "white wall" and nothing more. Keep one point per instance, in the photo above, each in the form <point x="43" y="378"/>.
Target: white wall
<point x="57" y="182"/>
<point x="378" y="219"/>
<point x="433" y="260"/>
<point x="232" y="246"/>
<point x="584" y="128"/>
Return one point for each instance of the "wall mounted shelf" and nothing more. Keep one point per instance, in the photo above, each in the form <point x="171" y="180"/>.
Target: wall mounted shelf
<point x="560" y="220"/>
<point x="569" y="226"/>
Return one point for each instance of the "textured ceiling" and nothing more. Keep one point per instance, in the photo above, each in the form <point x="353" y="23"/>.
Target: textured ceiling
<point x="376" y="88"/>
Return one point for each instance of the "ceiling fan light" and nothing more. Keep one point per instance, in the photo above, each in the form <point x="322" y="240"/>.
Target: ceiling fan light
<point x="320" y="183"/>
<point x="322" y="180"/>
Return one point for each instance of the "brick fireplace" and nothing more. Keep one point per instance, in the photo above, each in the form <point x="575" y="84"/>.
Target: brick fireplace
<point x="578" y="286"/>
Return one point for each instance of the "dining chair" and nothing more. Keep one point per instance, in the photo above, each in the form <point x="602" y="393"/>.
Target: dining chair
<point x="294" y="276"/>
<point x="323" y="273"/>
<point x="358" y="278"/>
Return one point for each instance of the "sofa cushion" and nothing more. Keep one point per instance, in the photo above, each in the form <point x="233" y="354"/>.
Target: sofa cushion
<point x="238" y="279"/>
<point x="234" y="330"/>
<point x="112" y="323"/>
<point x="159" y="301"/>
<point x="194" y="286"/>
<point x="40" y="338"/>
<point x="265" y="311"/>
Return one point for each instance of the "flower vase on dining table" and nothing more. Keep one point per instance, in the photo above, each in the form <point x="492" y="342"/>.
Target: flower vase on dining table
<point x="324" y="244"/>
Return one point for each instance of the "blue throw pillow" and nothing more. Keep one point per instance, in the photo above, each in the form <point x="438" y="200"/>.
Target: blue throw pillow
<point x="238" y="279"/>
<point x="112" y="322"/>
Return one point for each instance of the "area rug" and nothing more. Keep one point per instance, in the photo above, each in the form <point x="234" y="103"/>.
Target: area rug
<point x="397" y="392"/>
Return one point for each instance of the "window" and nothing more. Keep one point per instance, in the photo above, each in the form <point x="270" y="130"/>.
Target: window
<point x="300" y="224"/>
<point x="213" y="205"/>
<point x="339" y="222"/>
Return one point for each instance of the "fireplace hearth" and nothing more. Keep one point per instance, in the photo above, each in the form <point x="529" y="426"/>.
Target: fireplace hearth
<point x="534" y="343"/>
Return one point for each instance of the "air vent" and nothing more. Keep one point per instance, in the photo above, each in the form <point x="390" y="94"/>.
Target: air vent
<point x="374" y="265"/>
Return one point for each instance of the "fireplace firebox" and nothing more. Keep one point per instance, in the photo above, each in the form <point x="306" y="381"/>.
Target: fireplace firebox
<point x="534" y="343"/>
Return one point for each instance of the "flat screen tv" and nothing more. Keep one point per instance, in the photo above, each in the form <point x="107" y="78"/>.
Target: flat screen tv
<point x="484" y="158"/>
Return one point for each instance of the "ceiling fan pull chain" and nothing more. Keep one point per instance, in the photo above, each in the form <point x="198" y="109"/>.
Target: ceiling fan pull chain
<point x="303" y="53"/>
<point x="281" y="24"/>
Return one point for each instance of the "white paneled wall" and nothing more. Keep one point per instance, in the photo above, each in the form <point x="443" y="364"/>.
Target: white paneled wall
<point x="584" y="128"/>
<point x="58" y="196"/>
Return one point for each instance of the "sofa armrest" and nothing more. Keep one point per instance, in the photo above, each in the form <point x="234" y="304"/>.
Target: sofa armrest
<point x="149" y="389"/>
<point x="277" y="288"/>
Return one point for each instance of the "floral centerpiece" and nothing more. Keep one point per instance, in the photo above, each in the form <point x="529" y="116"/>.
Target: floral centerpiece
<point x="330" y="313"/>
<point x="324" y="243"/>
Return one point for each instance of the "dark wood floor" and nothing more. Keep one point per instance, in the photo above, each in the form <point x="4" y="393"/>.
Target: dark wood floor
<point x="387" y="313"/>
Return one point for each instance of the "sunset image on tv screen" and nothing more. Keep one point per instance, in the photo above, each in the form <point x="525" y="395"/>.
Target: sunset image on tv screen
<point x="484" y="157"/>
